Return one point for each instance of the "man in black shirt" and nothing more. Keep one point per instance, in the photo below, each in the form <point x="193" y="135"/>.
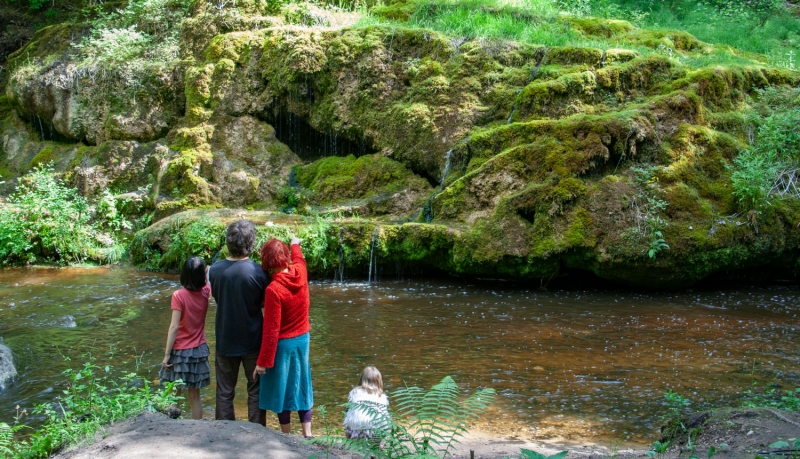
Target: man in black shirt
<point x="238" y="284"/>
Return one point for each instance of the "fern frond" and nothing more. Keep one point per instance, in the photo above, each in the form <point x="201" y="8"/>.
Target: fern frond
<point x="437" y="419"/>
<point x="359" y="446"/>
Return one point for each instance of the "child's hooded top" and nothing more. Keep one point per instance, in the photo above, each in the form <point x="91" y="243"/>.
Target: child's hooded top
<point x="362" y="418"/>
<point x="286" y="303"/>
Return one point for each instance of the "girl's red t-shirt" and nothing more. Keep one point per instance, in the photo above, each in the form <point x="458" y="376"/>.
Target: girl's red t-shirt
<point x="193" y="305"/>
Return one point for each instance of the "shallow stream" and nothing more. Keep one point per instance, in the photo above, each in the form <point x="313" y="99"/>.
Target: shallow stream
<point x="576" y="364"/>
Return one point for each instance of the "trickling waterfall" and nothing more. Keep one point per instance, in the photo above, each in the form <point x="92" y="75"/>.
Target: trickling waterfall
<point x="427" y="209"/>
<point x="338" y="275"/>
<point x="41" y="128"/>
<point x="446" y="170"/>
<point x="310" y="144"/>
<point x="7" y="370"/>
<point x="514" y="109"/>
<point x="373" y="264"/>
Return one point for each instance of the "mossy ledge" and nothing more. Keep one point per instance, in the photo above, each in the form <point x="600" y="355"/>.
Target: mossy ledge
<point x="353" y="245"/>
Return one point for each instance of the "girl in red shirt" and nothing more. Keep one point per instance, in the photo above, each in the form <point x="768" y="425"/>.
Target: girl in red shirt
<point x="186" y="354"/>
<point x="285" y="382"/>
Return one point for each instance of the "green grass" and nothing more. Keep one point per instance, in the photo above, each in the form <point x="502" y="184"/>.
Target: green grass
<point x="776" y="39"/>
<point x="526" y="21"/>
<point x="742" y="40"/>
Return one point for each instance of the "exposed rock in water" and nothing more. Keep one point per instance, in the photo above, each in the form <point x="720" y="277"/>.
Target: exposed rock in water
<point x="7" y="370"/>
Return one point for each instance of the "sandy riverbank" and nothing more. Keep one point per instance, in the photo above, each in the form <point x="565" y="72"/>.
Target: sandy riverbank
<point x="154" y="435"/>
<point x="734" y="433"/>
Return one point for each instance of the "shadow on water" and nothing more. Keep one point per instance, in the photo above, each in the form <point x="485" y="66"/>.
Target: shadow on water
<point x="579" y="363"/>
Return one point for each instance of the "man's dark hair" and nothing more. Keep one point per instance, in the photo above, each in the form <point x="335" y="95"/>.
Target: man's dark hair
<point x="193" y="273"/>
<point x="241" y="238"/>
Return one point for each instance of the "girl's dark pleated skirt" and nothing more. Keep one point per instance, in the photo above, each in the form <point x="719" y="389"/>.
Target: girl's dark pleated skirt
<point x="189" y="365"/>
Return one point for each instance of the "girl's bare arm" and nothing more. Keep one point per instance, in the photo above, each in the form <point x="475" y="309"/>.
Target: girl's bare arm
<point x="171" y="334"/>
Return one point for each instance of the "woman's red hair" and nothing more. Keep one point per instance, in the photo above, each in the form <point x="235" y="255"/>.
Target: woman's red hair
<point x="274" y="256"/>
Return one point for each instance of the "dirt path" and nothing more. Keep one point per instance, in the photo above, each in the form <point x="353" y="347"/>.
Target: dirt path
<point x="154" y="435"/>
<point x="743" y="432"/>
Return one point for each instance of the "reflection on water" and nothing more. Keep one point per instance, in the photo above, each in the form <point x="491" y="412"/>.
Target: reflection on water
<point x="570" y="364"/>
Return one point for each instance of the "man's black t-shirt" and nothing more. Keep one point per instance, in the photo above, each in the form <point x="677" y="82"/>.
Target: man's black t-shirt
<point x="238" y="288"/>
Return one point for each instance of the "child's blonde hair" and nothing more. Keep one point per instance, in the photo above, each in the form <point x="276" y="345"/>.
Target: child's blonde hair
<point x="371" y="380"/>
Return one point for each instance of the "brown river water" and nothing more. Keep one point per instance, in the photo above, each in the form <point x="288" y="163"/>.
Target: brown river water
<point x="587" y="365"/>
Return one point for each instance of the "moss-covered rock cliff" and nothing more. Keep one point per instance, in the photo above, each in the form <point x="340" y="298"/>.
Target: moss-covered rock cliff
<point x="487" y="158"/>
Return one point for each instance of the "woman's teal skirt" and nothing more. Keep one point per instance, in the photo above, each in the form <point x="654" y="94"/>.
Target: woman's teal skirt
<point x="287" y="385"/>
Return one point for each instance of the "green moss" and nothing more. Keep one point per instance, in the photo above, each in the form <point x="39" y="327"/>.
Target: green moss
<point x="618" y="56"/>
<point x="500" y="248"/>
<point x="198" y="93"/>
<point x="597" y="27"/>
<point x="45" y="156"/>
<point x="639" y="74"/>
<point x="573" y="56"/>
<point x="669" y="40"/>
<point x="725" y="88"/>
<point x="5" y="107"/>
<point x="579" y="231"/>
<point x="190" y="137"/>
<point x="413" y="244"/>
<point x="685" y="203"/>
<point x="48" y="41"/>
<point x="181" y="180"/>
<point x="395" y="10"/>
<point x="563" y="96"/>
<point x="337" y="179"/>
<point x="235" y="46"/>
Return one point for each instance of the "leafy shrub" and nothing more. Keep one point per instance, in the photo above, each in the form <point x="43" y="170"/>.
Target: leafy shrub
<point x="760" y="10"/>
<point x="45" y="220"/>
<point x="131" y="44"/>
<point x="205" y="237"/>
<point x="314" y="235"/>
<point x="575" y="7"/>
<point x="425" y="424"/>
<point x="202" y="238"/>
<point x="784" y="400"/>
<point x="115" y="46"/>
<point x="94" y="396"/>
<point x="768" y="168"/>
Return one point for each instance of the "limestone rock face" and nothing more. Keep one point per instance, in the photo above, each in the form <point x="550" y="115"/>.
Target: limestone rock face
<point x="514" y="161"/>
<point x="47" y="87"/>
<point x="95" y="111"/>
<point x="249" y="164"/>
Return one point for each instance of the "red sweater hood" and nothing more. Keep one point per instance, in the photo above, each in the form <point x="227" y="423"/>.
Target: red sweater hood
<point x="293" y="280"/>
<point x="286" y="303"/>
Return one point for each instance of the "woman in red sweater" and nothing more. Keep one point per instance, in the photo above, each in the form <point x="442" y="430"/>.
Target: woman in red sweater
<point x="283" y="361"/>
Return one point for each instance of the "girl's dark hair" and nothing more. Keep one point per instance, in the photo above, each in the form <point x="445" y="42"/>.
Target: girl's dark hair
<point x="193" y="273"/>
